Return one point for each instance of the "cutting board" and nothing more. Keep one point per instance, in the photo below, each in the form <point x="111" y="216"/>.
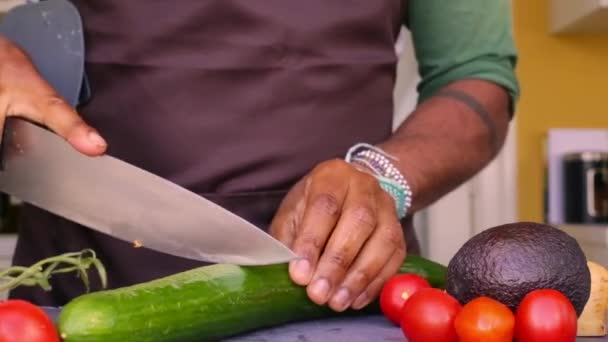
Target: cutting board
<point x="357" y="329"/>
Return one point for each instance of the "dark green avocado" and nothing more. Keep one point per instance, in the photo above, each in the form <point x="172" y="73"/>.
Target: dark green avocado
<point x="509" y="261"/>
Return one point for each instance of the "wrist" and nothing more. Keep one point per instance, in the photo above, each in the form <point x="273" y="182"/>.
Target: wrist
<point x="380" y="164"/>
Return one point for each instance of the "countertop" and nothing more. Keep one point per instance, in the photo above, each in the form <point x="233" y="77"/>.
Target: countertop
<point x="359" y="329"/>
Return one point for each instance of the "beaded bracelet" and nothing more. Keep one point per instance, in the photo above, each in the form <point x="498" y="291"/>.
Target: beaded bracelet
<point x="390" y="178"/>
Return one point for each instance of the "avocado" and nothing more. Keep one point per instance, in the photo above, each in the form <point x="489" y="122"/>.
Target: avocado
<point x="507" y="262"/>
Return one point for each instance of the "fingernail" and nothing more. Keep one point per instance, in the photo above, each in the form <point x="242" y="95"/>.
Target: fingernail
<point x="302" y="268"/>
<point x="96" y="139"/>
<point x="341" y="299"/>
<point x="320" y="289"/>
<point x="360" y="302"/>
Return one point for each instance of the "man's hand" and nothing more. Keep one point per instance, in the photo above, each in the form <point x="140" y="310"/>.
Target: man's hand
<point x="346" y="230"/>
<point x="24" y="93"/>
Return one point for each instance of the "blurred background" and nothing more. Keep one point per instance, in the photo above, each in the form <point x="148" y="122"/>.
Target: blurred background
<point x="554" y="166"/>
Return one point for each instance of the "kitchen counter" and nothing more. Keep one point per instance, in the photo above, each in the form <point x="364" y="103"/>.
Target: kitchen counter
<point x="593" y="240"/>
<point x="359" y="329"/>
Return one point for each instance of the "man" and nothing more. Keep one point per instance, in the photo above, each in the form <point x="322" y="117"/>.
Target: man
<point x="281" y="112"/>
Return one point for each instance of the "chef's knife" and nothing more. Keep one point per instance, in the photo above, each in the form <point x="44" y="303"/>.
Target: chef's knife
<point x="126" y="202"/>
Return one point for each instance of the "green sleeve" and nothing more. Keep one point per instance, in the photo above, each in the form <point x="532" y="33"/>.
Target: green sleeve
<point x="463" y="39"/>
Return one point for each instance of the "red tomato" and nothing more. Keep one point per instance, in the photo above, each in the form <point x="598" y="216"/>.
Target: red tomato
<point x="21" y="321"/>
<point x="396" y="291"/>
<point x="545" y="315"/>
<point x="485" y="319"/>
<point x="429" y="315"/>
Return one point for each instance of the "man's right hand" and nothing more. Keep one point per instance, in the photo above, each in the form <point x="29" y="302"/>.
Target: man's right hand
<point x="24" y="93"/>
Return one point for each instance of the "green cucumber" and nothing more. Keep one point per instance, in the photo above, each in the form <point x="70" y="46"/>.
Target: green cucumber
<point x="206" y="303"/>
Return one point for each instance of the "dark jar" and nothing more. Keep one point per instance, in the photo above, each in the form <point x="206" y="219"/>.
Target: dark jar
<point x="586" y="187"/>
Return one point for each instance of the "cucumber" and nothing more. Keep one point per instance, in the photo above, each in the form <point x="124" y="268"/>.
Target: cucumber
<point x="206" y="303"/>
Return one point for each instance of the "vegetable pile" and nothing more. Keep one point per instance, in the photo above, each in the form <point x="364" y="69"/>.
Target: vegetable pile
<point x="523" y="281"/>
<point x="219" y="301"/>
<point x="430" y="314"/>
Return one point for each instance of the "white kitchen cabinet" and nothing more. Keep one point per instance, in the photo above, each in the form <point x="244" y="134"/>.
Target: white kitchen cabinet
<point x="579" y="16"/>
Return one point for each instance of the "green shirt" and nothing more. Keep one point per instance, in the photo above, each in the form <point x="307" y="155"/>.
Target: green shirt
<point x="463" y="39"/>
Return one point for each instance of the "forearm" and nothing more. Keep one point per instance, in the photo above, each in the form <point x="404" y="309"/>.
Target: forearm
<point x="450" y="137"/>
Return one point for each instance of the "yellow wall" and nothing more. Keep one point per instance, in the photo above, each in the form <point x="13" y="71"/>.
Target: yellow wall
<point x="564" y="84"/>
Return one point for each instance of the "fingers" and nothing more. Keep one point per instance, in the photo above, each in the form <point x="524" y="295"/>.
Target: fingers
<point x="53" y="112"/>
<point x="346" y="230"/>
<point x="63" y="119"/>
<point x="386" y="242"/>
<point x="358" y="221"/>
<point x="325" y="194"/>
<point x="27" y="95"/>
<point x="373" y="289"/>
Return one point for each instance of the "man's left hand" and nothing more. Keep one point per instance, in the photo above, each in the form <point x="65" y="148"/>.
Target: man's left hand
<point x="345" y="230"/>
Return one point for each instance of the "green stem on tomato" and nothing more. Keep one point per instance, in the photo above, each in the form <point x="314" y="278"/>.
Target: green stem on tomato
<point x="40" y="273"/>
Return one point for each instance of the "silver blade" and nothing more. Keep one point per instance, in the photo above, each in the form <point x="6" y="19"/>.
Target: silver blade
<point x="128" y="203"/>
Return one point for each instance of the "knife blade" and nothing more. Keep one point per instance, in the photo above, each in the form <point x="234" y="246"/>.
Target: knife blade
<point x="128" y="203"/>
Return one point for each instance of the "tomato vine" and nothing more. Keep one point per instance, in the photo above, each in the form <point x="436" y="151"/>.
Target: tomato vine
<point x="40" y="273"/>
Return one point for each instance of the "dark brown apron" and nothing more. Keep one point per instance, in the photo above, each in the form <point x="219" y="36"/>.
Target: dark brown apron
<point x="233" y="99"/>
